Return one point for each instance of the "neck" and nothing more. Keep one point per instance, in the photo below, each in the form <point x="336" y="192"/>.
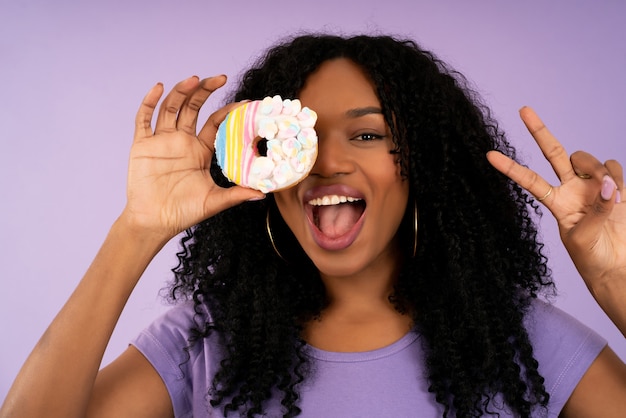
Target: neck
<point x="364" y="294"/>
<point x="359" y="316"/>
<point x="366" y="289"/>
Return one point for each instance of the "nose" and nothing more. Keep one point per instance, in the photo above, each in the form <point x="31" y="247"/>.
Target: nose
<point x="333" y="157"/>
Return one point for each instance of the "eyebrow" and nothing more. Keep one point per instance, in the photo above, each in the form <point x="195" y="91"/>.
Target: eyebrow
<point x="362" y="111"/>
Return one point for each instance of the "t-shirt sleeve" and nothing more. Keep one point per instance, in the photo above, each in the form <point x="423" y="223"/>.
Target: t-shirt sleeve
<point x="165" y="344"/>
<point x="564" y="348"/>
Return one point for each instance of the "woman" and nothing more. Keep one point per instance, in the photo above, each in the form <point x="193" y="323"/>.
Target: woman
<point x="418" y="298"/>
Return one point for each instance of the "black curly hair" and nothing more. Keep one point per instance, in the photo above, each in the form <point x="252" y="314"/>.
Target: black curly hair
<point x="478" y="264"/>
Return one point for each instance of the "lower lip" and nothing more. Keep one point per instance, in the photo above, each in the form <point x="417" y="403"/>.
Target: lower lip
<point x="339" y="243"/>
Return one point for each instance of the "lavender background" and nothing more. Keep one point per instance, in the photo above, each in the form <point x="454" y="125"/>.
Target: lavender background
<point x="73" y="74"/>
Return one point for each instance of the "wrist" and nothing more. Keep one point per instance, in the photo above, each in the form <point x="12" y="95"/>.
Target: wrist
<point x="610" y="294"/>
<point x="133" y="229"/>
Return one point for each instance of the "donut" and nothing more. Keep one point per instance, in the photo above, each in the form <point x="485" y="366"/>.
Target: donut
<point x="268" y="144"/>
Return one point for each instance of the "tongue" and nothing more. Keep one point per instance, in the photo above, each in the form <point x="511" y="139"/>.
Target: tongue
<point x="336" y="220"/>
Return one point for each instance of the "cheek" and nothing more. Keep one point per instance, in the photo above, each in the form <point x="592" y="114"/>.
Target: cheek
<point x="288" y="207"/>
<point x="394" y="190"/>
<point x="398" y="199"/>
<point x="396" y="207"/>
<point x="389" y="178"/>
<point x="282" y="202"/>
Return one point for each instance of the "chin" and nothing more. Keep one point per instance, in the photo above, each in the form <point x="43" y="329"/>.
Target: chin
<point x="351" y="262"/>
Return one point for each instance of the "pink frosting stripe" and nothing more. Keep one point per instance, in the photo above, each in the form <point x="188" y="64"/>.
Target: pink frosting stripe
<point x="249" y="135"/>
<point x="240" y="159"/>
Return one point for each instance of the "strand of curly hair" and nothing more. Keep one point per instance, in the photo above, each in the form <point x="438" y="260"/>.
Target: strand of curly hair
<point x="478" y="265"/>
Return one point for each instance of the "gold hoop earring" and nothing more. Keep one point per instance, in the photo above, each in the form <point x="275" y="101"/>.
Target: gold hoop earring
<point x="415" y="227"/>
<point x="269" y="232"/>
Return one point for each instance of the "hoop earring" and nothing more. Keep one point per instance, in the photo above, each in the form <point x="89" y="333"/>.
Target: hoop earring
<point x="269" y="232"/>
<point x="415" y="227"/>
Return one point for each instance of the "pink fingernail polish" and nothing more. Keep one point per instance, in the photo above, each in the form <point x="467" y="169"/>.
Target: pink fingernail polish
<point x="618" y="197"/>
<point x="608" y="186"/>
<point x="256" y="198"/>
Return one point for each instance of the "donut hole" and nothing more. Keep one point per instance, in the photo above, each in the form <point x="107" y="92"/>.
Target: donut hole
<point x="260" y="146"/>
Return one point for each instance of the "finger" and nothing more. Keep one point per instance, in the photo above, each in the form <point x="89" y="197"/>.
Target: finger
<point x="595" y="218"/>
<point x="586" y="166"/>
<point x="550" y="147"/>
<point x="188" y="115"/>
<point x="209" y="130"/>
<point x="168" y="111"/>
<point x="525" y="177"/>
<point x="143" y="119"/>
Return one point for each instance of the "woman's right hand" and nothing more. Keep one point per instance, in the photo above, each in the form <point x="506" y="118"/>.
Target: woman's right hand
<point x="169" y="186"/>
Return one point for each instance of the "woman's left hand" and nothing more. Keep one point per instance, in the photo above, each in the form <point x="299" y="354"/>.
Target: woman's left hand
<point x="587" y="206"/>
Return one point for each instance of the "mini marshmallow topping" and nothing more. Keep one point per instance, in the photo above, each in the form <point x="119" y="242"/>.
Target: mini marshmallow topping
<point x="290" y="143"/>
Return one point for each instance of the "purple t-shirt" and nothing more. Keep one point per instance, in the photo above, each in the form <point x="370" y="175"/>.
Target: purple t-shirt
<point x="388" y="382"/>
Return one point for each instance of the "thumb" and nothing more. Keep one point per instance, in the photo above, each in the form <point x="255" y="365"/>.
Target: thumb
<point x="239" y="194"/>
<point x="608" y="192"/>
<point x="230" y="197"/>
<point x="603" y="205"/>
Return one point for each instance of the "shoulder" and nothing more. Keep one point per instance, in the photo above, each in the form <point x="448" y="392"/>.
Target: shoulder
<point x="184" y="359"/>
<point x="175" y="328"/>
<point x="564" y="348"/>
<point x="547" y="324"/>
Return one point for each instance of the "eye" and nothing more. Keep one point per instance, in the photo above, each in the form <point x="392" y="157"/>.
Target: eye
<point x="368" y="137"/>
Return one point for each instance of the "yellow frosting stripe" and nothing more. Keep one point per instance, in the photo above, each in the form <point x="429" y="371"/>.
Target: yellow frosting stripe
<point x="291" y="143"/>
<point x="229" y="145"/>
<point x="234" y="147"/>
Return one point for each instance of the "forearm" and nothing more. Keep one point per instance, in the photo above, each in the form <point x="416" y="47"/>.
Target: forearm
<point x="58" y="376"/>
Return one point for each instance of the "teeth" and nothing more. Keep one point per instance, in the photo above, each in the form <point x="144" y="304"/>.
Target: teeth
<point x="332" y="200"/>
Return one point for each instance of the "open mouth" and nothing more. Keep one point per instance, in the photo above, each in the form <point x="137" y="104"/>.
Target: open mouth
<point x="336" y="215"/>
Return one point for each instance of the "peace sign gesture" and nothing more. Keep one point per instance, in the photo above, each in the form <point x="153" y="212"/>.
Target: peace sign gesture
<point x="587" y="206"/>
<point x="169" y="184"/>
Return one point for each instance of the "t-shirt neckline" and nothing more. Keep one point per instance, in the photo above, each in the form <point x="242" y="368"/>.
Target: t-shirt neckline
<point x="360" y="356"/>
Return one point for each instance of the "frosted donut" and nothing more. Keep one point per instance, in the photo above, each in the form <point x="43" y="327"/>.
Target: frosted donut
<point x="267" y="144"/>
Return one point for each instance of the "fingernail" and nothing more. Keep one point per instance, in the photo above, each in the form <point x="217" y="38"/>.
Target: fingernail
<point x="608" y="186"/>
<point x="618" y="197"/>
<point x="256" y="198"/>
